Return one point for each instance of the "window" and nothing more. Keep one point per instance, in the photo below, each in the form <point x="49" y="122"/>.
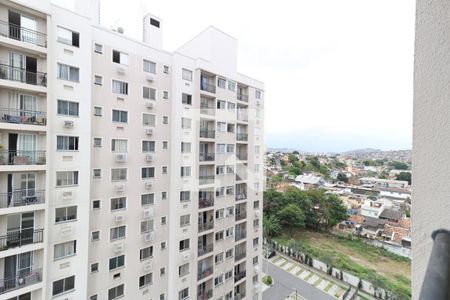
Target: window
<point x="68" y="37"/>
<point x="184" y="245"/>
<point x="185" y="171"/>
<point x="63" y="285"/>
<point x="228" y="274"/>
<point x="120" y="146"/>
<point x="117" y="233"/>
<point x="258" y="94"/>
<point x="230" y="190"/>
<point x="229" y="253"/>
<point x="98" y="80"/>
<point x="219" y="236"/>
<point x="165" y="95"/>
<point x="166" y="69"/>
<point x="186" y="99"/>
<point x="149" y="66"/>
<point x="147" y="226"/>
<point x="147" y="199"/>
<point x="162" y="271"/>
<point x="219" y="213"/>
<point x="185" y="147"/>
<point x="221" y="126"/>
<point x="95" y="236"/>
<point x="230" y="128"/>
<point x="230" y="148"/>
<point x="186" y="123"/>
<point x="163" y="195"/>
<point x="118" y="203"/>
<point x="145" y="280"/>
<point x="186" y="74"/>
<point x="120" y="57"/>
<point x="148" y="93"/>
<point x="218" y="258"/>
<point x="231" y="106"/>
<point x="66" y="178"/>
<point x="97" y="142"/>
<point x="165" y="145"/>
<point x="229" y="211"/>
<point x="116" y="262"/>
<point x="98" y="48"/>
<point x="164" y="169"/>
<point x="148" y="172"/>
<point x="119" y="174"/>
<point x="165" y="120"/>
<point x="164" y="220"/>
<point x="185" y="196"/>
<point x="221" y="104"/>
<point x="255" y="260"/>
<point x="148" y="146"/>
<point x="220" y="192"/>
<point x="183" y="270"/>
<point x="68" y="108"/>
<point x="119" y="116"/>
<point x="230" y="169"/>
<point x="66" y="72"/>
<point x="95" y="204"/>
<point x="116" y="292"/>
<point x="119" y="87"/>
<point x="163" y="245"/>
<point x="97" y="173"/>
<point x="94" y="267"/>
<point x="255" y="242"/>
<point x="183" y="294"/>
<point x="256" y="204"/>
<point x="66" y="143"/>
<point x="232" y="86"/>
<point x="229" y="232"/>
<point x="146" y="253"/>
<point x="154" y="22"/>
<point x="64" y="249"/>
<point x="185" y="220"/>
<point x="64" y="214"/>
<point x="220" y="148"/>
<point x="218" y="280"/>
<point x="98" y="111"/>
<point x="148" y="120"/>
<point x="255" y="222"/>
<point x="221" y="82"/>
<point x="257" y="148"/>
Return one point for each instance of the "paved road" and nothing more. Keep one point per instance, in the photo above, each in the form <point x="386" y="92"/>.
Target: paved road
<point x="286" y="283"/>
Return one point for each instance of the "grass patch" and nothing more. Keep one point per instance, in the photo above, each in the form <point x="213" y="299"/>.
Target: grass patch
<point x="309" y="276"/>
<point x="267" y="280"/>
<point x="299" y="272"/>
<point x="283" y="263"/>
<point x="291" y="268"/>
<point x="328" y="287"/>
<point x="318" y="281"/>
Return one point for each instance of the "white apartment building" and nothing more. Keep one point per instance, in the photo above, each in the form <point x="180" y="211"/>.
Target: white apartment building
<point x="126" y="171"/>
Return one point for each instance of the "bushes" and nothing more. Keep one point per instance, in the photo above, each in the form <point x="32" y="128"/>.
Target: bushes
<point x="268" y="280"/>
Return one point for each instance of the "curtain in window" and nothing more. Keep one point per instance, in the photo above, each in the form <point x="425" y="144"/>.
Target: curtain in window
<point x="14" y="103"/>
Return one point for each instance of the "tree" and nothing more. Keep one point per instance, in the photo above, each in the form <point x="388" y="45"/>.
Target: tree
<point x="398" y="165"/>
<point x="342" y="177"/>
<point x="406" y="176"/>
<point x="295" y="152"/>
<point x="271" y="226"/>
<point x="291" y="216"/>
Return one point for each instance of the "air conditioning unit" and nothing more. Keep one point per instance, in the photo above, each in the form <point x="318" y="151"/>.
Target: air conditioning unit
<point x="119" y="188"/>
<point x="121" y="157"/>
<point x="148" y="267"/>
<point x="121" y="70"/>
<point x="118" y="247"/>
<point x="149" y="236"/>
<point x="68" y="124"/>
<point x="150" y="77"/>
<point x="148" y="185"/>
<point x="149" y="131"/>
<point x="148" y="213"/>
<point x="67" y="195"/>
<point x="185" y="256"/>
<point x="149" y="157"/>
<point x="149" y="105"/>
<point x="119" y="218"/>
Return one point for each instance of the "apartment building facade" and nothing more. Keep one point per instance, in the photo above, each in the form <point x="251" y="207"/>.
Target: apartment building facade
<point x="126" y="171"/>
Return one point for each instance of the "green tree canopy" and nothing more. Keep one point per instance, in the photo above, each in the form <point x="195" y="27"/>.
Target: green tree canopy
<point x="342" y="177"/>
<point x="406" y="176"/>
<point x="291" y="216"/>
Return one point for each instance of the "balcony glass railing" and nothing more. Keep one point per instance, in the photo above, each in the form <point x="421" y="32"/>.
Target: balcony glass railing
<point x="22" y="198"/>
<point x="207" y="109"/>
<point x="239" y="296"/>
<point x="23" y="34"/>
<point x="209" y="87"/>
<point x="22" y="157"/>
<point x="205" y="295"/>
<point x="207" y="133"/>
<point x="205" y="202"/>
<point x="18" y="116"/>
<point x="240" y="215"/>
<point x="8" y="72"/>
<point x="18" y="238"/>
<point x="206" y="179"/>
<point x="240" y="275"/>
<point x="203" y="226"/>
<point x="240" y="235"/>
<point x="242" y="156"/>
<point x="205" y="249"/>
<point x="242" y="116"/>
<point x="242" y="97"/>
<point x="242" y="137"/>
<point x="203" y="273"/>
<point x="207" y="156"/>
<point x="22" y="279"/>
<point x="241" y="196"/>
<point x="241" y="177"/>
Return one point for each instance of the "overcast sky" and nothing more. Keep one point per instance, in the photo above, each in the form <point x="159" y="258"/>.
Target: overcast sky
<point x="338" y="74"/>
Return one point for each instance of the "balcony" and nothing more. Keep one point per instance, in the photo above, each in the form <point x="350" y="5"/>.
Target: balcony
<point x="240" y="215"/>
<point x="18" y="238"/>
<point x="207" y="133"/>
<point x="205" y="249"/>
<point x="8" y="72"/>
<point x="242" y="97"/>
<point x="239" y="296"/>
<point x="205" y="202"/>
<point x="18" y="116"/>
<point x="206" y="179"/>
<point x="207" y="156"/>
<point x="22" y="157"/>
<point x="240" y="235"/>
<point x="241" y="196"/>
<point x="23" y="34"/>
<point x="207" y="109"/>
<point x="203" y="273"/>
<point x="208" y="87"/>
<point x="22" y="198"/>
<point x="240" y="275"/>
<point x="203" y="226"/>
<point x="22" y="279"/>
<point x="241" y="177"/>
<point x="242" y="137"/>
<point x="204" y="295"/>
<point x="242" y="156"/>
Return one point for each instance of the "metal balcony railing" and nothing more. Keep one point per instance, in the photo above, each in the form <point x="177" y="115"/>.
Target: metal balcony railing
<point x="205" y="295"/>
<point x="205" y="202"/>
<point x="205" y="179"/>
<point x="8" y="72"/>
<point x="240" y="215"/>
<point x="204" y="249"/>
<point x="203" y="273"/>
<point x="242" y="116"/>
<point x="209" y="87"/>
<point x="242" y="97"/>
<point x="22" y="279"/>
<point x="435" y="285"/>
<point x="240" y="235"/>
<point x="22" y="198"/>
<point x="18" y="116"/>
<point x="239" y="256"/>
<point x="23" y="34"/>
<point x="207" y="109"/>
<point x="207" y="156"/>
<point x="203" y="226"/>
<point x="241" y="196"/>
<point x="207" y="133"/>
<point x="242" y="137"/>
<point x="22" y="157"/>
<point x="18" y="238"/>
<point x="239" y="276"/>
